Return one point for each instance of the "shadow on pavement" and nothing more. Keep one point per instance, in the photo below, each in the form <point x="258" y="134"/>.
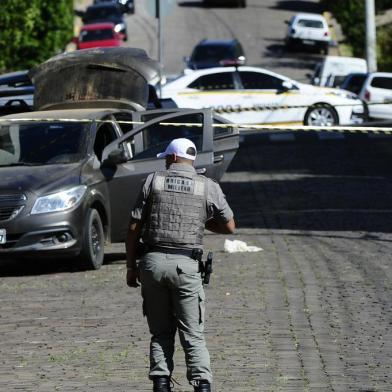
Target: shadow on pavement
<point x="299" y="6"/>
<point x="201" y="4"/>
<point x="341" y="185"/>
<point x="46" y="266"/>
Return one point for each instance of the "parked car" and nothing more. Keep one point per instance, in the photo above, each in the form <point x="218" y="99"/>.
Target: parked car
<point x="127" y="6"/>
<point x="251" y="95"/>
<point x="16" y="91"/>
<point x="308" y="30"/>
<point x="71" y="173"/>
<point x="215" y="53"/>
<point x="98" y="35"/>
<point x="106" y="12"/>
<point x="333" y="69"/>
<point x="233" y="3"/>
<point x="375" y="89"/>
<point x="68" y="187"/>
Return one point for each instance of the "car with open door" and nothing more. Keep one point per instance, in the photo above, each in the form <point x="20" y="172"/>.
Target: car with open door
<point x="72" y="170"/>
<point x="68" y="185"/>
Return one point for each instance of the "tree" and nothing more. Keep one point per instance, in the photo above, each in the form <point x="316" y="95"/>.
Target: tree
<point x="32" y="31"/>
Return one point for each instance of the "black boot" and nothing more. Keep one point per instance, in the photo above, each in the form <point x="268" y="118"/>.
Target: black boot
<point x="161" y="384"/>
<point x="204" y="386"/>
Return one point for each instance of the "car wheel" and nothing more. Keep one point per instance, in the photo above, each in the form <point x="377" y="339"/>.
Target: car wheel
<point x="321" y="115"/>
<point x="92" y="253"/>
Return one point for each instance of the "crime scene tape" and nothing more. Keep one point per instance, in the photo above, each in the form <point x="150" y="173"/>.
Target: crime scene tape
<point x="242" y="127"/>
<point x="270" y="107"/>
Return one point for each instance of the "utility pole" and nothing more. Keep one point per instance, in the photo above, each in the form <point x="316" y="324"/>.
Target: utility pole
<point x="371" y="46"/>
<point x="160" y="44"/>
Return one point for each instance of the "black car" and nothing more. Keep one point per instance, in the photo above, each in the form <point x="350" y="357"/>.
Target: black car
<point x="216" y="53"/>
<point x="127" y="6"/>
<point x="70" y="174"/>
<point x="106" y="12"/>
<point x="16" y="92"/>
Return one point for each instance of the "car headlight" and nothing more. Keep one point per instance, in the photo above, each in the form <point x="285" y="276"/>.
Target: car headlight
<point x="60" y="201"/>
<point x="118" y="27"/>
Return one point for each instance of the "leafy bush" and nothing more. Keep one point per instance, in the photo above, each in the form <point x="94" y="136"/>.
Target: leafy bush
<point x="32" y="31"/>
<point x="351" y="15"/>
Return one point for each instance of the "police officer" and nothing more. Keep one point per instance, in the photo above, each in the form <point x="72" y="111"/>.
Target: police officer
<point x="170" y="215"/>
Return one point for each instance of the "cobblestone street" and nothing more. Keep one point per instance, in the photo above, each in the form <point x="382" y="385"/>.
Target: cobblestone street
<point x="311" y="312"/>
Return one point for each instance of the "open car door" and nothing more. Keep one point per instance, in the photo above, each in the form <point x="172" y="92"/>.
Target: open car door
<point x="139" y="147"/>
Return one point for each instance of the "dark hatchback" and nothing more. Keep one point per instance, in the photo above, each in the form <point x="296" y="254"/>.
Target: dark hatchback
<point x="67" y="187"/>
<point x="16" y="92"/>
<point x="216" y="53"/>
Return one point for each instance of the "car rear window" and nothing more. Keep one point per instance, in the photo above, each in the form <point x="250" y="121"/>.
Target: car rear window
<point x="102" y="13"/>
<point x="218" y="81"/>
<point x="213" y="52"/>
<point x="314" y="24"/>
<point x="382" y="82"/>
<point x="96" y="35"/>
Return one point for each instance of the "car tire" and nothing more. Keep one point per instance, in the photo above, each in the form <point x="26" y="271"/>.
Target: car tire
<point x="93" y="242"/>
<point x="321" y="114"/>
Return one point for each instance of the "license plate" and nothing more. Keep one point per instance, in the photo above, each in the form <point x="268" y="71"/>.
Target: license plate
<point x="3" y="236"/>
<point x="308" y="42"/>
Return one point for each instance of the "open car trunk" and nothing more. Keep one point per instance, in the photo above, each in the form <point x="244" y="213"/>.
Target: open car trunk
<point x="103" y="77"/>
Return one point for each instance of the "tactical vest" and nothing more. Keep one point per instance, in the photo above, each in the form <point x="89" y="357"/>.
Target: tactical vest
<point x="177" y="210"/>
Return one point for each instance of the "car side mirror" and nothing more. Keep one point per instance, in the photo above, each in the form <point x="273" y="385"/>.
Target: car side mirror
<point x="75" y="40"/>
<point x="186" y="59"/>
<point x="286" y="22"/>
<point x="286" y="86"/>
<point x="114" y="157"/>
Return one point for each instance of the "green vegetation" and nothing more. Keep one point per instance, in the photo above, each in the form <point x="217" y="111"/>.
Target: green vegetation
<point x="351" y="15"/>
<point x="32" y="31"/>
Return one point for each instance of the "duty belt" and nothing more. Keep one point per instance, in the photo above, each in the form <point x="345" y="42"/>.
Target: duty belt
<point x="195" y="254"/>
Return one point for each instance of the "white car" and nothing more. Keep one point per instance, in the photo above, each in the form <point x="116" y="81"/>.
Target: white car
<point x="250" y="95"/>
<point x="375" y="89"/>
<point x="308" y="30"/>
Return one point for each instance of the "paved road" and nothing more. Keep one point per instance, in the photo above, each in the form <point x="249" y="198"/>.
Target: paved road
<point x="259" y="27"/>
<point x="311" y="312"/>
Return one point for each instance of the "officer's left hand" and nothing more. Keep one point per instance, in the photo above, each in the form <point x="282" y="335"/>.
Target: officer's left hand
<point x="132" y="278"/>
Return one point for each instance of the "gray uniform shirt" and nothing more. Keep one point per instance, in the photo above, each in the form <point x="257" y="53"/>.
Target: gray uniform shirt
<point x="217" y="206"/>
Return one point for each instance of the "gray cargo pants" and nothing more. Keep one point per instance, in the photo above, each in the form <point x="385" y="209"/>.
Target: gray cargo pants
<point x="173" y="298"/>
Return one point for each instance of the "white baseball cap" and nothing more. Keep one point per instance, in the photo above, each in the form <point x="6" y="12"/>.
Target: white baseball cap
<point x="179" y="147"/>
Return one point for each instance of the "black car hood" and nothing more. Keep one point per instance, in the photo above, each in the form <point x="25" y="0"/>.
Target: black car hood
<point x="113" y="76"/>
<point x="39" y="179"/>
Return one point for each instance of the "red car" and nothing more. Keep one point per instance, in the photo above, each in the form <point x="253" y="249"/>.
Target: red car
<point x="98" y="35"/>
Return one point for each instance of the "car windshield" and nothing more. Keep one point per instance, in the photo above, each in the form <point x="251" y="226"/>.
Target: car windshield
<point x="212" y="53"/>
<point x="102" y="13"/>
<point x="314" y="24"/>
<point x="41" y="143"/>
<point x="353" y="83"/>
<point x="96" y="35"/>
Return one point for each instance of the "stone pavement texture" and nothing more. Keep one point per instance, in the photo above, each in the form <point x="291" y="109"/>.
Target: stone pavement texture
<point x="311" y="312"/>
